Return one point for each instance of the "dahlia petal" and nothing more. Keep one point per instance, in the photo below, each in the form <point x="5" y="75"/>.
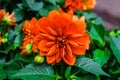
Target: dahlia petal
<point x="73" y="43"/>
<point x="59" y="31"/>
<point x="53" y="13"/>
<point x="68" y="2"/>
<point x="58" y="57"/>
<point x="74" y="36"/>
<point x="51" y="59"/>
<point x="81" y="26"/>
<point x="79" y="50"/>
<point x="81" y="40"/>
<point x="52" y="50"/>
<point x="69" y="60"/>
<point x="82" y="18"/>
<point x="62" y="52"/>
<point x="42" y="45"/>
<point x="48" y="36"/>
<point x="53" y="32"/>
<point x="68" y="51"/>
<point x="43" y="23"/>
<point x="42" y="53"/>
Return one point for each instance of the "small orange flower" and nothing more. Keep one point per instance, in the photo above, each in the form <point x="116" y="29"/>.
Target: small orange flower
<point x="30" y="29"/>
<point x="2" y="13"/>
<point x="80" y="4"/>
<point x="9" y="18"/>
<point x="62" y="37"/>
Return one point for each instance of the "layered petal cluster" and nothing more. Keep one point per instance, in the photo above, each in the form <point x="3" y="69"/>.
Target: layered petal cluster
<point x="80" y="4"/>
<point x="6" y="17"/>
<point x="62" y="37"/>
<point x="30" y="28"/>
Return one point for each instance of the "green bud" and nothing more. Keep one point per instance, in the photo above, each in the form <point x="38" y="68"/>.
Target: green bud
<point x="112" y="33"/>
<point x="28" y="48"/>
<point x="39" y="59"/>
<point x="5" y="21"/>
<point x="92" y="21"/>
<point x="4" y="40"/>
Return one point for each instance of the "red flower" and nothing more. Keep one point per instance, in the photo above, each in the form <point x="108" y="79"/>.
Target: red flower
<point x="80" y="4"/>
<point x="30" y="29"/>
<point x="62" y="37"/>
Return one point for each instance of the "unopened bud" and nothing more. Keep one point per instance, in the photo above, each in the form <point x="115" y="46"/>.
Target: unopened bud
<point x="27" y="49"/>
<point x="39" y="59"/>
<point x="112" y="33"/>
<point x="4" y="40"/>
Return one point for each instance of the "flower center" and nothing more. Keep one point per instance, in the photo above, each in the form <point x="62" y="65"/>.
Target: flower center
<point x="61" y="41"/>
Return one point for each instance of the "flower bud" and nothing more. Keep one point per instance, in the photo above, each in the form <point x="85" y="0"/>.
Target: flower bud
<point x="4" y="40"/>
<point x="112" y="33"/>
<point x="27" y="49"/>
<point x="39" y="59"/>
<point x="9" y="19"/>
<point x="115" y="33"/>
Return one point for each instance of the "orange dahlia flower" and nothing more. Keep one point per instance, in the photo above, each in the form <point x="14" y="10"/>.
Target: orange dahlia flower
<point x="62" y="37"/>
<point x="80" y="4"/>
<point x="30" y="28"/>
<point x="6" y="17"/>
<point x="9" y="18"/>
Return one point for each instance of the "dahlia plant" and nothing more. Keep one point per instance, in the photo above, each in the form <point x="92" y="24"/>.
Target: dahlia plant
<point x="56" y="40"/>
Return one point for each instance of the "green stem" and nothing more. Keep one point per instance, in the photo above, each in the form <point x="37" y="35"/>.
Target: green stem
<point x="98" y="77"/>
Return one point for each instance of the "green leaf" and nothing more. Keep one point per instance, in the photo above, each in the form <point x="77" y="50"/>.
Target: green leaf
<point x="36" y="72"/>
<point x="86" y="77"/>
<point x="2" y="60"/>
<point x="24" y="59"/>
<point x="8" y="48"/>
<point x="18" y="40"/>
<point x="116" y="72"/>
<point x="60" y="2"/>
<point x="119" y="78"/>
<point x="34" y="6"/>
<point x="89" y="15"/>
<point x="12" y="67"/>
<point x="11" y="35"/>
<point x="19" y="15"/>
<point x="89" y="65"/>
<point x="3" y="75"/>
<point x="101" y="57"/>
<point x="52" y="2"/>
<point x="37" y="6"/>
<point x="45" y="10"/>
<point x="28" y="3"/>
<point x="95" y="34"/>
<point x="115" y="46"/>
<point x="67" y="72"/>
<point x="99" y="21"/>
<point x="18" y="28"/>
